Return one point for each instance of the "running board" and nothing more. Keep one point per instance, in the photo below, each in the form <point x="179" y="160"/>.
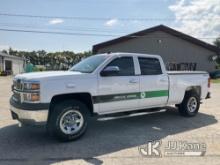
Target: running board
<point x="121" y="115"/>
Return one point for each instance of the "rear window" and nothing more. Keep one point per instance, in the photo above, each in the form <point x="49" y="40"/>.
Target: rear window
<point x="149" y="66"/>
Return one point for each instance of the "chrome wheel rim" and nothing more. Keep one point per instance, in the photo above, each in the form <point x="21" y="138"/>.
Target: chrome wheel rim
<point x="71" y="122"/>
<point x="192" y="104"/>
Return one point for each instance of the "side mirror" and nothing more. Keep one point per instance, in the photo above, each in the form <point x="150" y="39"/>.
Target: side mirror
<point x="110" y="71"/>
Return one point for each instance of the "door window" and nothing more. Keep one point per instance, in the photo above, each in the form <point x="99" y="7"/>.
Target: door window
<point x="125" y="64"/>
<point x="149" y="66"/>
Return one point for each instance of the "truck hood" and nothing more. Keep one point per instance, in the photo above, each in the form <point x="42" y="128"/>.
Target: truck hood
<point x="42" y="75"/>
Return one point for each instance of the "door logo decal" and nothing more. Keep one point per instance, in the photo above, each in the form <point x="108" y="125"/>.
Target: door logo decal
<point x="129" y="96"/>
<point x="143" y="95"/>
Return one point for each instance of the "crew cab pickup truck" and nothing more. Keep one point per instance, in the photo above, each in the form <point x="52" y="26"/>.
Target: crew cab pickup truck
<point x="103" y="84"/>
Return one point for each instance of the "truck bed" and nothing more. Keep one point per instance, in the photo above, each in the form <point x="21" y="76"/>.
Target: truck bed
<point x="185" y="72"/>
<point x="181" y="80"/>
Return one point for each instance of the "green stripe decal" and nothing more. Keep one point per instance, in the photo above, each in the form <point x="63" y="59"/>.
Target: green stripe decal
<point x="151" y="94"/>
<point x="129" y="96"/>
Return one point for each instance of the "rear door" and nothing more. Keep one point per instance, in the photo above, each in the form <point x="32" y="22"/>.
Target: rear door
<point x="119" y="92"/>
<point x="153" y="83"/>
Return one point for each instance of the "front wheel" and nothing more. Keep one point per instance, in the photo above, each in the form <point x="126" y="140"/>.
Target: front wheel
<point x="68" y="120"/>
<point x="190" y="105"/>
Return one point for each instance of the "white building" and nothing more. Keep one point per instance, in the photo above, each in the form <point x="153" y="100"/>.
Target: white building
<point x="11" y="64"/>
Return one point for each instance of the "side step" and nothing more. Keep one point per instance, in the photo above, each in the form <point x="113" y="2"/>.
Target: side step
<point x="120" y="115"/>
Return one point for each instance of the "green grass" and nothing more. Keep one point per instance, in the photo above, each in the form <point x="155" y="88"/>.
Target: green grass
<point x="215" y="80"/>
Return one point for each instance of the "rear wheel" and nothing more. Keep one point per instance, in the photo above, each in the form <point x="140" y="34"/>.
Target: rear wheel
<point x="68" y="120"/>
<point x="190" y="105"/>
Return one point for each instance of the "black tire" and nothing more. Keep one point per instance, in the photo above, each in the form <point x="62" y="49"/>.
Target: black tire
<point x="57" y="114"/>
<point x="184" y="108"/>
<point x="177" y="105"/>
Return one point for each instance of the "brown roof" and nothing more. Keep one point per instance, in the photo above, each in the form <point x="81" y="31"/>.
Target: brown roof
<point x="153" y="29"/>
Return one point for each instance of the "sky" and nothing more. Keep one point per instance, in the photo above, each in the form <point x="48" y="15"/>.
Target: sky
<point x="84" y="23"/>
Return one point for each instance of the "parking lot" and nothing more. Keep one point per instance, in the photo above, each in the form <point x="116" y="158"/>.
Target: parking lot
<point x="115" y="141"/>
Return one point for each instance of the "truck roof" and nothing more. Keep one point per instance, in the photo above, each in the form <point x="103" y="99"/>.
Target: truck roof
<point x="130" y="54"/>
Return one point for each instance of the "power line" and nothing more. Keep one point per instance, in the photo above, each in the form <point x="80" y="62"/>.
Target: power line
<point x="61" y="33"/>
<point x="65" y="28"/>
<point x="85" y="34"/>
<point x="99" y="18"/>
<point x="50" y="17"/>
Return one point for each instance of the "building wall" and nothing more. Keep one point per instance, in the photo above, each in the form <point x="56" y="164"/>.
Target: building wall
<point x="1" y="64"/>
<point x="171" y="48"/>
<point x="17" y="65"/>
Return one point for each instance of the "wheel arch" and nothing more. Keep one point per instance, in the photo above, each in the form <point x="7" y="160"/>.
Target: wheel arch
<point x="83" y="97"/>
<point x="196" y="89"/>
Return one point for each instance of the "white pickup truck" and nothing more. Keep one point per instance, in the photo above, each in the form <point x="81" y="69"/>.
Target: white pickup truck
<point x="103" y="84"/>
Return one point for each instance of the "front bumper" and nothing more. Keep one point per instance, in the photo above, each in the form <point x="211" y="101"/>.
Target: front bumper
<point x="29" y="117"/>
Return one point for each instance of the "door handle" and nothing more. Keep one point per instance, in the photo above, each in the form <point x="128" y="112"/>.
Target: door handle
<point x="132" y="81"/>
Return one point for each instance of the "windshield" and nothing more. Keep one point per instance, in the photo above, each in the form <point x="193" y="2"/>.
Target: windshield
<point x="89" y="64"/>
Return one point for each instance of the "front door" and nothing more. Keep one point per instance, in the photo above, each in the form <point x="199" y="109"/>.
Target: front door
<point x="119" y="92"/>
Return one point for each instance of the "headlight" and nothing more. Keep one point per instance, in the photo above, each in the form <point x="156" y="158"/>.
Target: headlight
<point x="31" y="86"/>
<point x="31" y="97"/>
<point x="31" y="91"/>
<point x="26" y="91"/>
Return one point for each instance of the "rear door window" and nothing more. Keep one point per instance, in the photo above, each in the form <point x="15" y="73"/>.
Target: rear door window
<point x="149" y="66"/>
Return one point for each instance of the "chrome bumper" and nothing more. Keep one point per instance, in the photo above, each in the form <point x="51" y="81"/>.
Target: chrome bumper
<point x="38" y="117"/>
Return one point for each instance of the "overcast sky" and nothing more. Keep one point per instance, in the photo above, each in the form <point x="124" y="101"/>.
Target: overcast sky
<point x="101" y="20"/>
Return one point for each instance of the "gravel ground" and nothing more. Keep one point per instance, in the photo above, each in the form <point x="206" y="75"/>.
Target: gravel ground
<point x="114" y="141"/>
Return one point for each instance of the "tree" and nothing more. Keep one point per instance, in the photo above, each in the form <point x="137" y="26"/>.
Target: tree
<point x="5" y="51"/>
<point x="217" y="42"/>
<point x="12" y="52"/>
<point x="52" y="60"/>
